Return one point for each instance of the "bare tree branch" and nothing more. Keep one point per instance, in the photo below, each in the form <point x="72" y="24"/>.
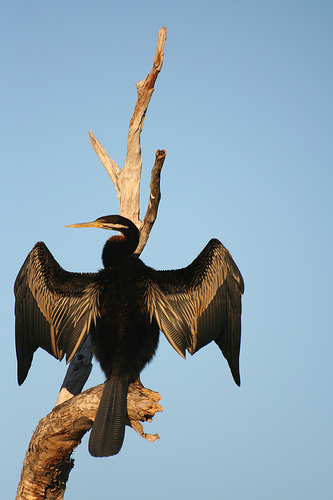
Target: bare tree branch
<point x="154" y="200"/>
<point x="127" y="180"/>
<point x="77" y="373"/>
<point x="48" y="461"/>
<point x="110" y="165"/>
<point x="130" y="202"/>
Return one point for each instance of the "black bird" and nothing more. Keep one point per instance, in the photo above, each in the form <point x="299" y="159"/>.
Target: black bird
<point x="123" y="307"/>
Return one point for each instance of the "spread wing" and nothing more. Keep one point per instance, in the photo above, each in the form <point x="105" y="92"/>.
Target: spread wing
<point x="200" y="303"/>
<point x="54" y="308"/>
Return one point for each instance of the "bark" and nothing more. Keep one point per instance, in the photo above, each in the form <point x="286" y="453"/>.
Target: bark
<point x="48" y="460"/>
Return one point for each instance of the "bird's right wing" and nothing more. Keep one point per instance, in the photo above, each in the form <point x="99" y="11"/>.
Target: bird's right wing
<point x="54" y="308"/>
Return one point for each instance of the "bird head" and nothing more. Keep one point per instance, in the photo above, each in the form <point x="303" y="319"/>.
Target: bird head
<point x="113" y="222"/>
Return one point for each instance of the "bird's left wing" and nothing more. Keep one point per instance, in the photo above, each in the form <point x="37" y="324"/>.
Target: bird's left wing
<point x="54" y="308"/>
<point x="200" y="303"/>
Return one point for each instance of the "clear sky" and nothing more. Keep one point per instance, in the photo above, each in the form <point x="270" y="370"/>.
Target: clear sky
<point x="243" y="107"/>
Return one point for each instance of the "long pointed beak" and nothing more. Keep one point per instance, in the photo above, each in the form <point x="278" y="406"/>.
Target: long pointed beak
<point x="95" y="223"/>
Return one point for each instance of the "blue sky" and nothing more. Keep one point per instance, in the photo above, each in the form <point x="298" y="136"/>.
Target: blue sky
<point x="243" y="107"/>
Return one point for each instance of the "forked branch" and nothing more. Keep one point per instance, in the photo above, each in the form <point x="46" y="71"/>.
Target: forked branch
<point x="127" y="180"/>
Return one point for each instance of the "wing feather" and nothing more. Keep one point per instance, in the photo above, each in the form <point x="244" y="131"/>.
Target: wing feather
<point x="54" y="309"/>
<point x="200" y="303"/>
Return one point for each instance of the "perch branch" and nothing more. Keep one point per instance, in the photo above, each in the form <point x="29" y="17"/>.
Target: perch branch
<point x="48" y="461"/>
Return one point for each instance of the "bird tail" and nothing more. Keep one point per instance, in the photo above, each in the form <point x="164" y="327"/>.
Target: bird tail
<point x="107" y="434"/>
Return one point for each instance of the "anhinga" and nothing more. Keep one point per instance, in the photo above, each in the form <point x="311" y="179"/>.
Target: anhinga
<point x="123" y="307"/>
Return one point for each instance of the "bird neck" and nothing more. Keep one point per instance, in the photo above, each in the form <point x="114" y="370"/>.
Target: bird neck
<point x="121" y="246"/>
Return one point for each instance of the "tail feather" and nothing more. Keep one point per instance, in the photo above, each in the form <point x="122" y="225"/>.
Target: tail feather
<point x="107" y="434"/>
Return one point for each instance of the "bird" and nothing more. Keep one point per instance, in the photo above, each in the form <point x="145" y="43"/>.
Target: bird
<point x="123" y="307"/>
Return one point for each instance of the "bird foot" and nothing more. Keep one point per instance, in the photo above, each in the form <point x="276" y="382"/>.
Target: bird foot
<point x="138" y="427"/>
<point x="141" y="407"/>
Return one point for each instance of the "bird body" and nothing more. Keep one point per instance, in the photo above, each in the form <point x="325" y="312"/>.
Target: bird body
<point x="124" y="341"/>
<point x="123" y="307"/>
<point x="124" y="338"/>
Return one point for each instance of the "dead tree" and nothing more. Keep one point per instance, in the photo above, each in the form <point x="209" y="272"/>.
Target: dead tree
<point x="48" y="461"/>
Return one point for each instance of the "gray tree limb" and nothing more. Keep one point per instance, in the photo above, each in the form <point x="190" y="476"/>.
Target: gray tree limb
<point x="48" y="461"/>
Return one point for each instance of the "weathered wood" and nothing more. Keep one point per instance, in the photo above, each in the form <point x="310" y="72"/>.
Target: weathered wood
<point x="130" y="199"/>
<point x="154" y="200"/>
<point x="48" y="461"/>
<point x="77" y="373"/>
<point x="110" y="165"/>
<point x="127" y="180"/>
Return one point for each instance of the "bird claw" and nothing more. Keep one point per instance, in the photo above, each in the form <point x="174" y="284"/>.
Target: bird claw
<point x="138" y="427"/>
<point x="145" y="407"/>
